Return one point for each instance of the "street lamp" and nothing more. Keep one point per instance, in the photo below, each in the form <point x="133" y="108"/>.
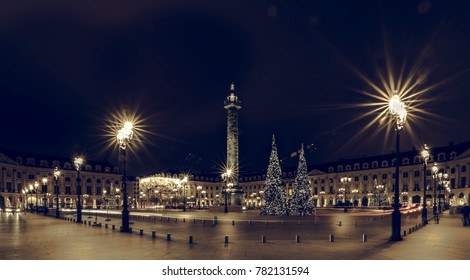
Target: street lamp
<point x="78" y="162"/>
<point x="261" y="196"/>
<point x="36" y="185"/>
<point x="380" y="189"/>
<point x="435" y="169"/>
<point x="442" y="184"/>
<point x="204" y="193"/>
<point x="345" y="180"/>
<point x="56" y="180"/>
<point x="322" y="204"/>
<point x="44" y="192"/>
<point x="124" y="136"/>
<point x="199" y="188"/>
<point x="25" y="199"/>
<point x="228" y="184"/>
<point x="31" y="188"/>
<point x="183" y="182"/>
<point x="397" y="110"/>
<point x="425" y="157"/>
<point x="355" y="198"/>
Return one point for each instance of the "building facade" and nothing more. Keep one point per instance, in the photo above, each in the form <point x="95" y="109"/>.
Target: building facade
<point x="21" y="182"/>
<point x="369" y="176"/>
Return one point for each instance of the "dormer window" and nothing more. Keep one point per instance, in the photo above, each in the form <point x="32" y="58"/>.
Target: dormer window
<point x="31" y="161"/>
<point x="384" y="163"/>
<point x="441" y="157"/>
<point x="43" y="163"/>
<point x="375" y="164"/>
<point x="19" y="160"/>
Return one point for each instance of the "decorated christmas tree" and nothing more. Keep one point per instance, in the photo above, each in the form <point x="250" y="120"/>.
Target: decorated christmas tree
<point x="301" y="203"/>
<point x="274" y="193"/>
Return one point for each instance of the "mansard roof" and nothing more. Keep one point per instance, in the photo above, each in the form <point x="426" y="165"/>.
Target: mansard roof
<point x="11" y="156"/>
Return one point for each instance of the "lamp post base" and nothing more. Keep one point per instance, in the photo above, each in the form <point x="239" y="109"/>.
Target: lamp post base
<point x="125" y="220"/>
<point x="424" y="216"/>
<point x="396" y="226"/>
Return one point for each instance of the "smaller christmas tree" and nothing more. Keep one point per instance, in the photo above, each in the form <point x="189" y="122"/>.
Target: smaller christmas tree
<point x="301" y="203"/>
<point x="274" y="193"/>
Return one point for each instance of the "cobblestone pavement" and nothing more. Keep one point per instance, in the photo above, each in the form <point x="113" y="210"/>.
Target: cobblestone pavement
<point x="35" y="237"/>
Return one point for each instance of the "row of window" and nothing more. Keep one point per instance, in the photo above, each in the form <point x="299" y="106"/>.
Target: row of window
<point x="416" y="173"/>
<point x="67" y="165"/>
<point x="405" y="161"/>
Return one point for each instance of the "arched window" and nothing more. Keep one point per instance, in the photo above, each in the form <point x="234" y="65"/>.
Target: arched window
<point x="453" y="155"/>
<point x="356" y="166"/>
<point x="441" y="157"/>
<point x="384" y="163"/>
<point x="348" y="167"/>
<point x="365" y="166"/>
<point x="406" y="161"/>
<point x="375" y="164"/>
<point x="340" y="168"/>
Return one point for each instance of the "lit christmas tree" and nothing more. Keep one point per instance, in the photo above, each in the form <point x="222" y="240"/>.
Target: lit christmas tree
<point x="379" y="196"/>
<point x="274" y="193"/>
<point x="301" y="203"/>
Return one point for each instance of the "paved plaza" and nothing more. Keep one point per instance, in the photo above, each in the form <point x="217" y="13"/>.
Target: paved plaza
<point x="35" y="237"/>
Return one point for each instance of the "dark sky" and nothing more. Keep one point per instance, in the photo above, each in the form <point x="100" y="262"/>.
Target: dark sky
<point x="65" y="66"/>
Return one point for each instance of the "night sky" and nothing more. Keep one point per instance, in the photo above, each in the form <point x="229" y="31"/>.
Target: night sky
<point x="67" y="66"/>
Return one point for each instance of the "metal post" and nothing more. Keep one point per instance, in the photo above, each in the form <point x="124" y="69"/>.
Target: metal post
<point x="79" y="198"/>
<point x="425" y="210"/>
<point x="37" y="209"/>
<point x="396" y="215"/>
<point x="434" y="208"/>
<point x="184" y="197"/>
<point x="44" y="191"/>
<point x="57" y="211"/>
<point x="226" y="206"/>
<point x="439" y="196"/>
<point x="125" y="211"/>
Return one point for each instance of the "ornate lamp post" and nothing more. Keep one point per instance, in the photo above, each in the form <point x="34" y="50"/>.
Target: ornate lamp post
<point x="199" y="188"/>
<point x="380" y="189"/>
<point x="425" y="157"/>
<point x="78" y="162"/>
<point x="397" y="110"/>
<point x="36" y="185"/>
<point x="56" y="191"/>
<point x="44" y="192"/>
<point x="31" y="188"/>
<point x="345" y="180"/>
<point x="183" y="183"/>
<point x="261" y="196"/>
<point x="124" y="136"/>
<point x="322" y="204"/>
<point x="228" y="184"/>
<point x="204" y="194"/>
<point x="442" y="184"/>
<point x="25" y="199"/>
<point x="355" y="198"/>
<point x="434" y="176"/>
